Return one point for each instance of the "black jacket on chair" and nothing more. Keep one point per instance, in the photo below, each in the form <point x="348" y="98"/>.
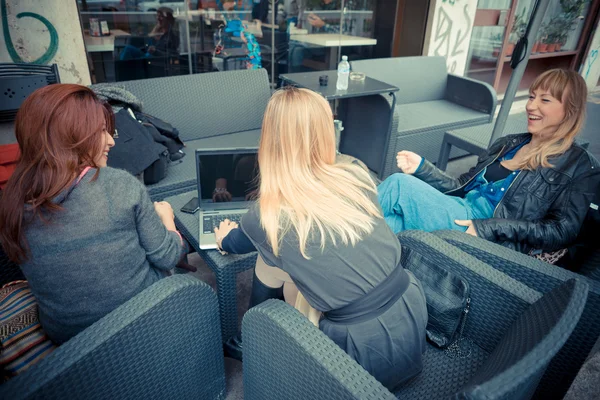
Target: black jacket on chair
<point x="542" y="209"/>
<point x="135" y="148"/>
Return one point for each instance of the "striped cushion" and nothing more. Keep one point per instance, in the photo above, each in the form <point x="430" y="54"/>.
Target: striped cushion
<point x="23" y="341"/>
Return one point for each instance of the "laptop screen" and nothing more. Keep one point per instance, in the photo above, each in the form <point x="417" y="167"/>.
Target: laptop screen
<point x="227" y="176"/>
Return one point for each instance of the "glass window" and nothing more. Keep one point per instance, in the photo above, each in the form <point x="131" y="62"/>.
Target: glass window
<point x="561" y="27"/>
<point x="321" y="31"/>
<point x="486" y="39"/>
<point x="153" y="38"/>
<point x="557" y="44"/>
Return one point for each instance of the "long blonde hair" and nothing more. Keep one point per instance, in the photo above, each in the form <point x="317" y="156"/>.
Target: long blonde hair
<point x="570" y="89"/>
<point x="301" y="186"/>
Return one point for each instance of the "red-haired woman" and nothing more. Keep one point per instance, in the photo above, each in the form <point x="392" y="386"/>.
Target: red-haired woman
<point x="86" y="236"/>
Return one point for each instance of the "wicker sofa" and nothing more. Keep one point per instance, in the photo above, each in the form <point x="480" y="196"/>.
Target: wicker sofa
<point x="213" y="110"/>
<point x="430" y="102"/>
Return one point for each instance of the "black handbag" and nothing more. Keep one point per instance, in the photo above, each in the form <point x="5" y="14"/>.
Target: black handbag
<point x="448" y="302"/>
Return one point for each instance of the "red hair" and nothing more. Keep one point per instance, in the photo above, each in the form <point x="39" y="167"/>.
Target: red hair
<point x="59" y="131"/>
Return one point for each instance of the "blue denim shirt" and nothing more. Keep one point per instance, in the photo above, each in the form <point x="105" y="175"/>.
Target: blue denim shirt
<point x="493" y="191"/>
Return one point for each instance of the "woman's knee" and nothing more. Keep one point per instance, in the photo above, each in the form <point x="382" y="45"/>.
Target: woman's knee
<point x="393" y="184"/>
<point x="398" y="178"/>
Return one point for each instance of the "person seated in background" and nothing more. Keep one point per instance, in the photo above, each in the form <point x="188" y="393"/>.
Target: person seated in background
<point x="319" y="230"/>
<point x="86" y="236"/>
<point x="164" y="38"/>
<point x="327" y="25"/>
<point x="529" y="192"/>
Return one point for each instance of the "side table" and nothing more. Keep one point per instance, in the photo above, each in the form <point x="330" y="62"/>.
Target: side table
<point x="476" y="139"/>
<point x="225" y="268"/>
<point x="368" y="136"/>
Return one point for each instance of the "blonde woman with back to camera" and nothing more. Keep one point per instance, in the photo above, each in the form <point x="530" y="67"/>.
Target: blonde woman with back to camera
<point x="319" y="230"/>
<point x="529" y="192"/>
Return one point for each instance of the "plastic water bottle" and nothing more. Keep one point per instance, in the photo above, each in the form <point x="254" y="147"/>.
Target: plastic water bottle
<point x="343" y="74"/>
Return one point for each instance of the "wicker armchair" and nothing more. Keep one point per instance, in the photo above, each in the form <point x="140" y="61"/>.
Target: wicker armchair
<point x="541" y="277"/>
<point x="165" y="343"/>
<point x="514" y="331"/>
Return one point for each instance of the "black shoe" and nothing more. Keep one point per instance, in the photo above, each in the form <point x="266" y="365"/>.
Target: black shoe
<point x="260" y="292"/>
<point x="233" y="347"/>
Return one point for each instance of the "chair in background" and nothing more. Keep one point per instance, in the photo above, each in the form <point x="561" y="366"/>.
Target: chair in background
<point x="126" y="70"/>
<point x="17" y="81"/>
<point x="201" y="62"/>
<point x="179" y="100"/>
<point x="430" y="102"/>
<point x="541" y="276"/>
<point x="156" y="66"/>
<point x="164" y="343"/>
<point x="279" y="53"/>
<point x="512" y="334"/>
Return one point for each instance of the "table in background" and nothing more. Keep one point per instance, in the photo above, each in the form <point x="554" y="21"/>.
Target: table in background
<point x="331" y="42"/>
<point x="225" y="268"/>
<point x="101" y="51"/>
<point x="355" y="142"/>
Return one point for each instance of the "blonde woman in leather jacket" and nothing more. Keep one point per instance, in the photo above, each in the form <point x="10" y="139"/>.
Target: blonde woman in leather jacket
<point x="530" y="191"/>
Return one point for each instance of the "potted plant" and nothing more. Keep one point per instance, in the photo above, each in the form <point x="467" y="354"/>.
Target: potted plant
<point x="561" y="40"/>
<point x="543" y="46"/>
<point x="496" y="41"/>
<point x="538" y="40"/>
<point x="573" y="7"/>
<point x="551" y="44"/>
<point x="518" y="29"/>
<point x="566" y="21"/>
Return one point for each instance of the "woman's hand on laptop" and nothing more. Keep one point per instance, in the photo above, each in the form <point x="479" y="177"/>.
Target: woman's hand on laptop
<point x="223" y="230"/>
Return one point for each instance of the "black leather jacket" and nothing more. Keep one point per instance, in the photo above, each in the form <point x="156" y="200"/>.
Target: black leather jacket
<point x="542" y="209"/>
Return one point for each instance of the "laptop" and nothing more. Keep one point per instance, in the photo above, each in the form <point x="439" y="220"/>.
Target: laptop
<point x="227" y="186"/>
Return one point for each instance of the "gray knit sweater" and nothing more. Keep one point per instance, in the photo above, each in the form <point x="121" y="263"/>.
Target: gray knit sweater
<point x="105" y="246"/>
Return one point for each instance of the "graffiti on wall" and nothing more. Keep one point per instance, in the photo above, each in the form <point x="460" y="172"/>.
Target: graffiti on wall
<point x="10" y="46"/>
<point x="451" y="31"/>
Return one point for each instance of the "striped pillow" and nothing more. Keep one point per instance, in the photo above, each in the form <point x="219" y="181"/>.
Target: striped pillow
<point x="23" y="341"/>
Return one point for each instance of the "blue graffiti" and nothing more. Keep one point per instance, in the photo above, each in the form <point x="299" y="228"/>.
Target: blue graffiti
<point x="591" y="59"/>
<point x="14" y="55"/>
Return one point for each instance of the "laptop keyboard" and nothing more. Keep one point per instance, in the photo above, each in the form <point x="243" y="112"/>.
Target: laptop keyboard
<point x="210" y="222"/>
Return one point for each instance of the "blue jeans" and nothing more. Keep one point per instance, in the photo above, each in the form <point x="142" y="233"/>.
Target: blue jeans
<point x="130" y="52"/>
<point x="409" y="203"/>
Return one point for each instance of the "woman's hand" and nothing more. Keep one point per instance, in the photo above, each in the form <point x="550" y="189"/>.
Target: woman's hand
<point x="229" y="5"/>
<point x="315" y="21"/>
<point x="165" y="212"/>
<point x="470" y="230"/>
<point x="408" y="161"/>
<point x="223" y="230"/>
